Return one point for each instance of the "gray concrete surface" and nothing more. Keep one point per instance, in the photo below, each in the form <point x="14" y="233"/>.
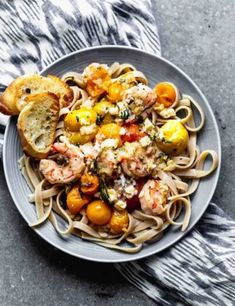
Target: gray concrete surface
<point x="198" y="36"/>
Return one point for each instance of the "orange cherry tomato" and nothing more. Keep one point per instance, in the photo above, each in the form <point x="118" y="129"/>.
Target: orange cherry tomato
<point x="98" y="212"/>
<point x="166" y="93"/>
<point x="89" y="183"/>
<point x="93" y="89"/>
<point x="97" y="79"/>
<point x="75" y="201"/>
<point x="132" y="133"/>
<point x="119" y="221"/>
<point x="116" y="91"/>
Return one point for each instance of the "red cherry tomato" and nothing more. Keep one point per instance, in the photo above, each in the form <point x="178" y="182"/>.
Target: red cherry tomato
<point x="132" y="133"/>
<point x="134" y="202"/>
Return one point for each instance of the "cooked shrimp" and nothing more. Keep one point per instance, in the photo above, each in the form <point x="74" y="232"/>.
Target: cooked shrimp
<point x="107" y="162"/>
<point x="68" y="167"/>
<point x="153" y="197"/>
<point x="134" y="161"/>
<point x="139" y="98"/>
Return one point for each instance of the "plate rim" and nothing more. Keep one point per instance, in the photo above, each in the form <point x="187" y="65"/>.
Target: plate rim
<point x="134" y="256"/>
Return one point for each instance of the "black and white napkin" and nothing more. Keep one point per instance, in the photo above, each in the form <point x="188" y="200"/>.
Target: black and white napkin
<point x="198" y="270"/>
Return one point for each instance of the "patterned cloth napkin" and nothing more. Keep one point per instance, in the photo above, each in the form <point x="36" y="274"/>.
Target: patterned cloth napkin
<point x="198" y="270"/>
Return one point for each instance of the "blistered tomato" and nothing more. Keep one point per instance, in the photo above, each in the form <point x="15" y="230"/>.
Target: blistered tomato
<point x="98" y="212"/>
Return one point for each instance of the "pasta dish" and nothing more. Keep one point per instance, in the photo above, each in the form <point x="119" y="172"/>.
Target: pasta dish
<point x="123" y="162"/>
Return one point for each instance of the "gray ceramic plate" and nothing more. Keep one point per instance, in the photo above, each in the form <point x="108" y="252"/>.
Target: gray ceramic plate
<point x="156" y="69"/>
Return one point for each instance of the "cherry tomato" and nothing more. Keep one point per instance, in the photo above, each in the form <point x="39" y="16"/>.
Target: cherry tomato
<point x="119" y="221"/>
<point x="89" y="183"/>
<point x="75" y="201"/>
<point x="98" y="212"/>
<point x="166" y="93"/>
<point x="132" y="133"/>
<point x="93" y="73"/>
<point x="134" y="202"/>
<point x="110" y="130"/>
<point x="116" y="91"/>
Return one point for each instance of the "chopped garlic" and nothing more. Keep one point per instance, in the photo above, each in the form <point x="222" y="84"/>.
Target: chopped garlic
<point x="145" y="141"/>
<point x="120" y="205"/>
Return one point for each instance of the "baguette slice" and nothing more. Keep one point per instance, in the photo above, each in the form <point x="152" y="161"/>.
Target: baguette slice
<point x="37" y="124"/>
<point x="14" y="99"/>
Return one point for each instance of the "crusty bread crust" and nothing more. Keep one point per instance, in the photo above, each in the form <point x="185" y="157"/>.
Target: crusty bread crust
<point x="68" y="95"/>
<point x="38" y="119"/>
<point x="6" y="107"/>
<point x="14" y="99"/>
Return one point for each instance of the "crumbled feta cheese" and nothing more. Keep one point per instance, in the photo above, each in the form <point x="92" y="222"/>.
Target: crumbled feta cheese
<point x="113" y="110"/>
<point x="130" y="191"/>
<point x="89" y="129"/>
<point x="145" y="141"/>
<point x="112" y="195"/>
<point x="89" y="103"/>
<point x="110" y="142"/>
<point x="120" y="205"/>
<point x="122" y="131"/>
<point x="87" y="149"/>
<point x="148" y="126"/>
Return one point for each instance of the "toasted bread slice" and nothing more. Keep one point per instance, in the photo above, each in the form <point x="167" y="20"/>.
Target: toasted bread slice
<point x="14" y="99"/>
<point x="37" y="124"/>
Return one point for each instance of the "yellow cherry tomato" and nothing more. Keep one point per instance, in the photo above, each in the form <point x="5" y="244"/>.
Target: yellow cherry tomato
<point x="71" y="121"/>
<point x="75" y="201"/>
<point x="78" y="138"/>
<point x="102" y="107"/>
<point x="89" y="183"/>
<point x="166" y="93"/>
<point x="79" y="117"/>
<point x="110" y="130"/>
<point x="119" y="221"/>
<point x="173" y="138"/>
<point x="86" y="116"/>
<point x="98" y="212"/>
